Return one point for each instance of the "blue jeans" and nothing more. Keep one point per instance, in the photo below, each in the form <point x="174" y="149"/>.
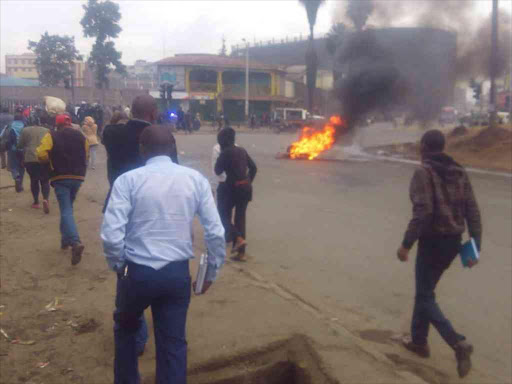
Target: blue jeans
<point x="168" y="292"/>
<point x="434" y="257"/>
<point x="66" y="191"/>
<point x="17" y="171"/>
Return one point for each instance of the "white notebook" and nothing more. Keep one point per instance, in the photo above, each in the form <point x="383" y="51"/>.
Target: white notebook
<point x="201" y="273"/>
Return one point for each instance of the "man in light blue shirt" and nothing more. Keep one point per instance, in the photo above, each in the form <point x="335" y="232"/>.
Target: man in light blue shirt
<point x="147" y="240"/>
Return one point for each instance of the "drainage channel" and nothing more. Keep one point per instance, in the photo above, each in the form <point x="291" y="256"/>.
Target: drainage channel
<point x="292" y="361"/>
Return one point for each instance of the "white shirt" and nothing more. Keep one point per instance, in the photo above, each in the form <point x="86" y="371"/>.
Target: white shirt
<point x="215" y="155"/>
<point x="150" y="214"/>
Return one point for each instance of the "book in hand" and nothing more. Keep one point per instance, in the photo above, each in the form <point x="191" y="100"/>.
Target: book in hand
<point x="201" y="273"/>
<point x="469" y="252"/>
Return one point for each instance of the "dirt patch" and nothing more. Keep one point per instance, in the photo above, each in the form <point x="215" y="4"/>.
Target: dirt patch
<point x="377" y="335"/>
<point x="480" y="148"/>
<point x="292" y="361"/>
<point x="427" y="373"/>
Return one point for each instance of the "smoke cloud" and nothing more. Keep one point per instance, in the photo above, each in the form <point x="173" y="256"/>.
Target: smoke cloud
<point x="461" y="17"/>
<point x="415" y="70"/>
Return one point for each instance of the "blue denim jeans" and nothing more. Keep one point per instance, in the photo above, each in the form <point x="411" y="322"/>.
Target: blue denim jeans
<point x="17" y="171"/>
<point x="434" y="257"/>
<point x="66" y="191"/>
<point x="168" y="292"/>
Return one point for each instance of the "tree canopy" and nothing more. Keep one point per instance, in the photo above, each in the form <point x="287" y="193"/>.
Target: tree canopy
<point x="335" y="37"/>
<point x="312" y="7"/>
<point x="359" y="11"/>
<point x="101" y="20"/>
<point x="55" y="58"/>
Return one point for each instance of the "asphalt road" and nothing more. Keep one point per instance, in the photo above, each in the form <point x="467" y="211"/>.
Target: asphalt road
<point x="328" y="232"/>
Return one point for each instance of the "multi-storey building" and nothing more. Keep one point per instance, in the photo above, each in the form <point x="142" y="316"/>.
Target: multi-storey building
<point x="24" y="66"/>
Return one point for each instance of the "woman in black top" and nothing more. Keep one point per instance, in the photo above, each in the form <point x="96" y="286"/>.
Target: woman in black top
<point x="240" y="171"/>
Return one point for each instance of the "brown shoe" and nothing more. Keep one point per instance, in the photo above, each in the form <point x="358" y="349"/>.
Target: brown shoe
<point x="463" y="351"/>
<point x="421" y="350"/>
<point x="240" y="243"/>
<point x="46" y="206"/>
<point x="240" y="257"/>
<point x="76" y="253"/>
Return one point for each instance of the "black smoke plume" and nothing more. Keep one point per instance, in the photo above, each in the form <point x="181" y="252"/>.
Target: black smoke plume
<point x="378" y="78"/>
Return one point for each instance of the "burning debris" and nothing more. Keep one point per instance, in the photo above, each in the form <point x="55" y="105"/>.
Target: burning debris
<point x="313" y="142"/>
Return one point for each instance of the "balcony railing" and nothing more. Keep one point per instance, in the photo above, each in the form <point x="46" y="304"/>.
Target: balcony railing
<point x="254" y="89"/>
<point x="196" y="86"/>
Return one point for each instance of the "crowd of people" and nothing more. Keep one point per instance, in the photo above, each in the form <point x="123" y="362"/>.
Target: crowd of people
<point x="151" y="204"/>
<point x="143" y="171"/>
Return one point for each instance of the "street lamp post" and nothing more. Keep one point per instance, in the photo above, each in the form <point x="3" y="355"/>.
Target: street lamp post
<point x="494" y="59"/>
<point x="246" y="80"/>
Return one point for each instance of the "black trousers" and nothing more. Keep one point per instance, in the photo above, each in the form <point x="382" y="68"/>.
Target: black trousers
<point x="237" y="198"/>
<point x="39" y="176"/>
<point x="435" y="254"/>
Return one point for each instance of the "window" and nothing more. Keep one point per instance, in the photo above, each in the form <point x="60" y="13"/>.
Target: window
<point x="15" y="61"/>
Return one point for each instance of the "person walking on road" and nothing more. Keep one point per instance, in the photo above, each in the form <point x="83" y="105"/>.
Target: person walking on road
<point x="39" y="173"/>
<point x="5" y="120"/>
<point x="443" y="202"/>
<point x="90" y="130"/>
<point x="240" y="172"/>
<point x="122" y="144"/>
<point x="147" y="240"/>
<point x="15" y="156"/>
<point x="66" y="150"/>
<point x="122" y="141"/>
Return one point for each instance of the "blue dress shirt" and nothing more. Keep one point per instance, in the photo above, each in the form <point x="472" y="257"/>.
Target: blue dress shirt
<point x="150" y="214"/>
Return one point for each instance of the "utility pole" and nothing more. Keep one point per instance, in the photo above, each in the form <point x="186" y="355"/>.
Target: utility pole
<point x="246" y="81"/>
<point x="494" y="61"/>
<point x="73" y="68"/>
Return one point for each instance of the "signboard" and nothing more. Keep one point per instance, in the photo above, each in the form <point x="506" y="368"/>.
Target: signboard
<point x="172" y="75"/>
<point x="176" y="95"/>
<point x="202" y="96"/>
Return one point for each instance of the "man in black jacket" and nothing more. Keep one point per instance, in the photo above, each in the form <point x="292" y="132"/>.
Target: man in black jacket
<point x="240" y="171"/>
<point x="66" y="149"/>
<point x="122" y="140"/>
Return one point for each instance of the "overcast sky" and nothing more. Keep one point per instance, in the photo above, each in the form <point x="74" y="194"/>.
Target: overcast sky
<point x="179" y="26"/>
<point x="189" y="26"/>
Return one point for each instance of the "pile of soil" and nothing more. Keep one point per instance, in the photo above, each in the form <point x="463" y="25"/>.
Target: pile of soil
<point x="481" y="148"/>
<point x="461" y="130"/>
<point x="487" y="138"/>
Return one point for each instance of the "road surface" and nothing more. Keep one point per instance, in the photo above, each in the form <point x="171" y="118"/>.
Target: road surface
<point x="328" y="231"/>
<point x="325" y="232"/>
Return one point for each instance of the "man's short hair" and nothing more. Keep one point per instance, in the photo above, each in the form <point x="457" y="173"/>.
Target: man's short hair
<point x="433" y="141"/>
<point x="143" y="105"/>
<point x="158" y="140"/>
<point x="226" y="137"/>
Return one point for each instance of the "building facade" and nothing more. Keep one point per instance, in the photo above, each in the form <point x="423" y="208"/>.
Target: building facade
<point x="24" y="67"/>
<point x="212" y="85"/>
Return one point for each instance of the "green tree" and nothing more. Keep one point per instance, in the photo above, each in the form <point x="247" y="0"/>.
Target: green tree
<point x="223" y="50"/>
<point x="55" y="58"/>
<point x="101" y="20"/>
<point x="359" y="11"/>
<point x="312" y="7"/>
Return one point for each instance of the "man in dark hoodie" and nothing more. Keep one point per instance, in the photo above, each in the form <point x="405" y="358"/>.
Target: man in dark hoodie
<point x="236" y="194"/>
<point x="443" y="201"/>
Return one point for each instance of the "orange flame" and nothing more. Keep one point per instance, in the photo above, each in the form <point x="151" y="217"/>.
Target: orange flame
<point x="312" y="143"/>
